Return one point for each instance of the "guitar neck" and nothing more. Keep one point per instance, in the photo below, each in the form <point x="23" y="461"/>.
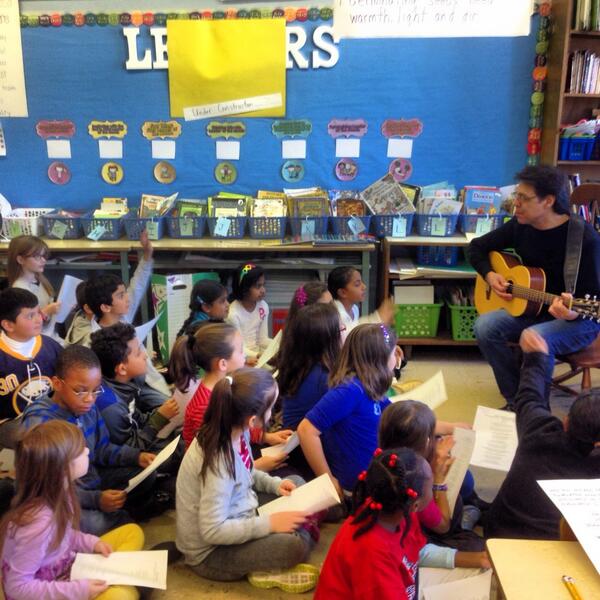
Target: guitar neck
<point x="520" y="291"/>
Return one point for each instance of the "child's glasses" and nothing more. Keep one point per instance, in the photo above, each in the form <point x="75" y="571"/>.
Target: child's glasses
<point x="84" y="393"/>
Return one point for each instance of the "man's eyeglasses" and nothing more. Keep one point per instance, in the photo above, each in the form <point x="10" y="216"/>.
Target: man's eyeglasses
<point x="84" y="393"/>
<point x="523" y="198"/>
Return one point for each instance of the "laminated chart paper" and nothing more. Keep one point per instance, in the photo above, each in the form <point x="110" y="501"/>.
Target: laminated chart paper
<point x="13" y="97"/>
<point x="213" y="63"/>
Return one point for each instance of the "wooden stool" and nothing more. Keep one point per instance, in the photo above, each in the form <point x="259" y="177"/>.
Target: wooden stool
<point x="583" y="362"/>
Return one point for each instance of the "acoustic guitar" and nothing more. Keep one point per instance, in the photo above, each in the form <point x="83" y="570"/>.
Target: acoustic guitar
<point x="526" y="285"/>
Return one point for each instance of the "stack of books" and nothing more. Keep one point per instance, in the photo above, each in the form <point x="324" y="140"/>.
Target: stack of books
<point x="583" y="71"/>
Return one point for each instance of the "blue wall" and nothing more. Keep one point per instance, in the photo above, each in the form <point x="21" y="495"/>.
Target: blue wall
<point x="471" y="94"/>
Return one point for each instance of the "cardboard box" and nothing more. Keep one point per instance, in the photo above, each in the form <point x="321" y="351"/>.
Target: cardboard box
<point x="171" y="295"/>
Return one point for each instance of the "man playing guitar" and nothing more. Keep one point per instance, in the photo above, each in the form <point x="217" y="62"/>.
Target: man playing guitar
<point x="538" y="234"/>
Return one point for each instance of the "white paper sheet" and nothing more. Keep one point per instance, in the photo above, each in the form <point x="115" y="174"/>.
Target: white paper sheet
<point x="67" y="297"/>
<point x="284" y="448"/>
<point x="161" y="457"/>
<point x="110" y="148"/>
<point x="270" y="351"/>
<point x="310" y="498"/>
<point x="579" y="502"/>
<point x="163" y="149"/>
<point x="58" y="148"/>
<point x="399" y="148"/>
<point x="432" y="392"/>
<point x="144" y="568"/>
<point x="496" y="440"/>
<point x="293" y="149"/>
<point x="471" y="588"/>
<point x="347" y="148"/>
<point x="177" y="421"/>
<point x="142" y="331"/>
<point x="228" y="150"/>
<point x="464" y="442"/>
<point x="13" y="97"/>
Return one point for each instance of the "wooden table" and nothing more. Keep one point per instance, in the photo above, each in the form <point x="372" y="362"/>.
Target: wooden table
<point x="532" y="569"/>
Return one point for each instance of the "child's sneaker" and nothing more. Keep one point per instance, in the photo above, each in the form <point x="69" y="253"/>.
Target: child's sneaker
<point x="297" y="580"/>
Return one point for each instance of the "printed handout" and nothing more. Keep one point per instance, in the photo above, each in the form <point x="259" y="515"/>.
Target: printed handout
<point x="464" y="442"/>
<point x="142" y="331"/>
<point x="310" y="498"/>
<point x="470" y="588"/>
<point x="432" y="392"/>
<point x="496" y="440"/>
<point x="579" y="502"/>
<point x="284" y="448"/>
<point x="161" y="457"/>
<point x="145" y="569"/>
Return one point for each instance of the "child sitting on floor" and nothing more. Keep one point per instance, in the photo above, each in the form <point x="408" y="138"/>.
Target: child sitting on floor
<point x="548" y="449"/>
<point x="77" y="384"/>
<point x="375" y="554"/>
<point x="40" y="535"/>
<point x="111" y="303"/>
<point x="27" y="358"/>
<point x="27" y="256"/>
<point x="348" y="291"/>
<point x="208" y="302"/>
<point x="249" y="312"/>
<point x="218" y="529"/>
<point x="123" y="364"/>
<point x="338" y="435"/>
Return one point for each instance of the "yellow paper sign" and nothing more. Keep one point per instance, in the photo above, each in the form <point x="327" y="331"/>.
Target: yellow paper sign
<point x="218" y="61"/>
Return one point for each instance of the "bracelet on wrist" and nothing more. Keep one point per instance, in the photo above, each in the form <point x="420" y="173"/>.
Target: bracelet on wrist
<point x="440" y="487"/>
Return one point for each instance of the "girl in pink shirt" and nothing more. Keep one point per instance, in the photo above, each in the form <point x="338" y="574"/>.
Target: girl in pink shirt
<point x="39" y="536"/>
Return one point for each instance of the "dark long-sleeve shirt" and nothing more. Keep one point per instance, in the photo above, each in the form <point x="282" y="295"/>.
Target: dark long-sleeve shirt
<point x="522" y="509"/>
<point x="544" y="249"/>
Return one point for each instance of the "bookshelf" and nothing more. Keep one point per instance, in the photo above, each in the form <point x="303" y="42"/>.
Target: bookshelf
<point x="561" y="107"/>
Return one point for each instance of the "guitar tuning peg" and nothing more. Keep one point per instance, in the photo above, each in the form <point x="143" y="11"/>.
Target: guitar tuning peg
<point x="587" y="296"/>
<point x="594" y="298"/>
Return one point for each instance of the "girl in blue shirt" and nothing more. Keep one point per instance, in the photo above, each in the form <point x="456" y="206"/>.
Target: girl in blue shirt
<point x="208" y="302"/>
<point x="338" y="436"/>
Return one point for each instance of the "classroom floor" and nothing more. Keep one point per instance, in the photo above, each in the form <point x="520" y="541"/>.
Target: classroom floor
<point x="469" y="382"/>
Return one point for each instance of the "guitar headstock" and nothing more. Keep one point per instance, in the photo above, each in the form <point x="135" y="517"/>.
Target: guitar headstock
<point x="588" y="307"/>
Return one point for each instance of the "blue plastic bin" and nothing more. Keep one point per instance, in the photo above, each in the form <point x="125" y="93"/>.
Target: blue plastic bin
<point x="438" y="256"/>
<point x="384" y="224"/>
<point x="436" y="225"/>
<point x="341" y="225"/>
<point x="73" y="224"/>
<point x="267" y="228"/>
<point x="480" y="223"/>
<point x="313" y="226"/>
<point x="236" y="230"/>
<point x="113" y="228"/>
<point x="134" y="226"/>
<point x="190" y="228"/>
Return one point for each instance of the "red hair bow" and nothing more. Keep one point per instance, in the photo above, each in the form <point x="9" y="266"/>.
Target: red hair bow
<point x="377" y="452"/>
<point x="411" y="493"/>
<point x="392" y="461"/>
<point x="362" y="476"/>
<point x="375" y="506"/>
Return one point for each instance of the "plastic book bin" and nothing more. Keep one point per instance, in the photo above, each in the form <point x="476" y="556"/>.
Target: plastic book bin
<point x="384" y="225"/>
<point x="23" y="221"/>
<point x="58" y="227"/>
<point x="480" y="224"/>
<point x="436" y="225"/>
<point x="267" y="228"/>
<point x="235" y="230"/>
<point x="438" y="256"/>
<point x="417" y="320"/>
<point x="134" y="226"/>
<point x="341" y="225"/>
<point x="462" y="321"/>
<point x="186" y="227"/>
<point x="580" y="147"/>
<point x="309" y="227"/>
<point x="113" y="228"/>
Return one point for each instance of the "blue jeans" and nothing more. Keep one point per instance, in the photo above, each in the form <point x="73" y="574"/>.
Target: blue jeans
<point x="494" y="329"/>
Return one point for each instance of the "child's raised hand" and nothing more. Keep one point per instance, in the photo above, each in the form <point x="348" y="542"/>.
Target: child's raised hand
<point x="251" y="361"/>
<point x="286" y="522"/>
<point x="145" y="459"/>
<point x="51" y="309"/>
<point x="531" y="341"/>
<point x="277" y="437"/>
<point x="96" y="588"/>
<point x="270" y="463"/>
<point x="286" y="487"/>
<point x="103" y="548"/>
<point x="146" y="245"/>
<point x="386" y="311"/>
<point x="169" y="409"/>
<point x="112" y="500"/>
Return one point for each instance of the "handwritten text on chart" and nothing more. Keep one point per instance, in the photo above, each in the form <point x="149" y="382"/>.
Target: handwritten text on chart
<point x="432" y="18"/>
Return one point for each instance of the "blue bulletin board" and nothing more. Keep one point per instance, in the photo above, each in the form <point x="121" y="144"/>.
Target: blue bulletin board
<point x="471" y="94"/>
